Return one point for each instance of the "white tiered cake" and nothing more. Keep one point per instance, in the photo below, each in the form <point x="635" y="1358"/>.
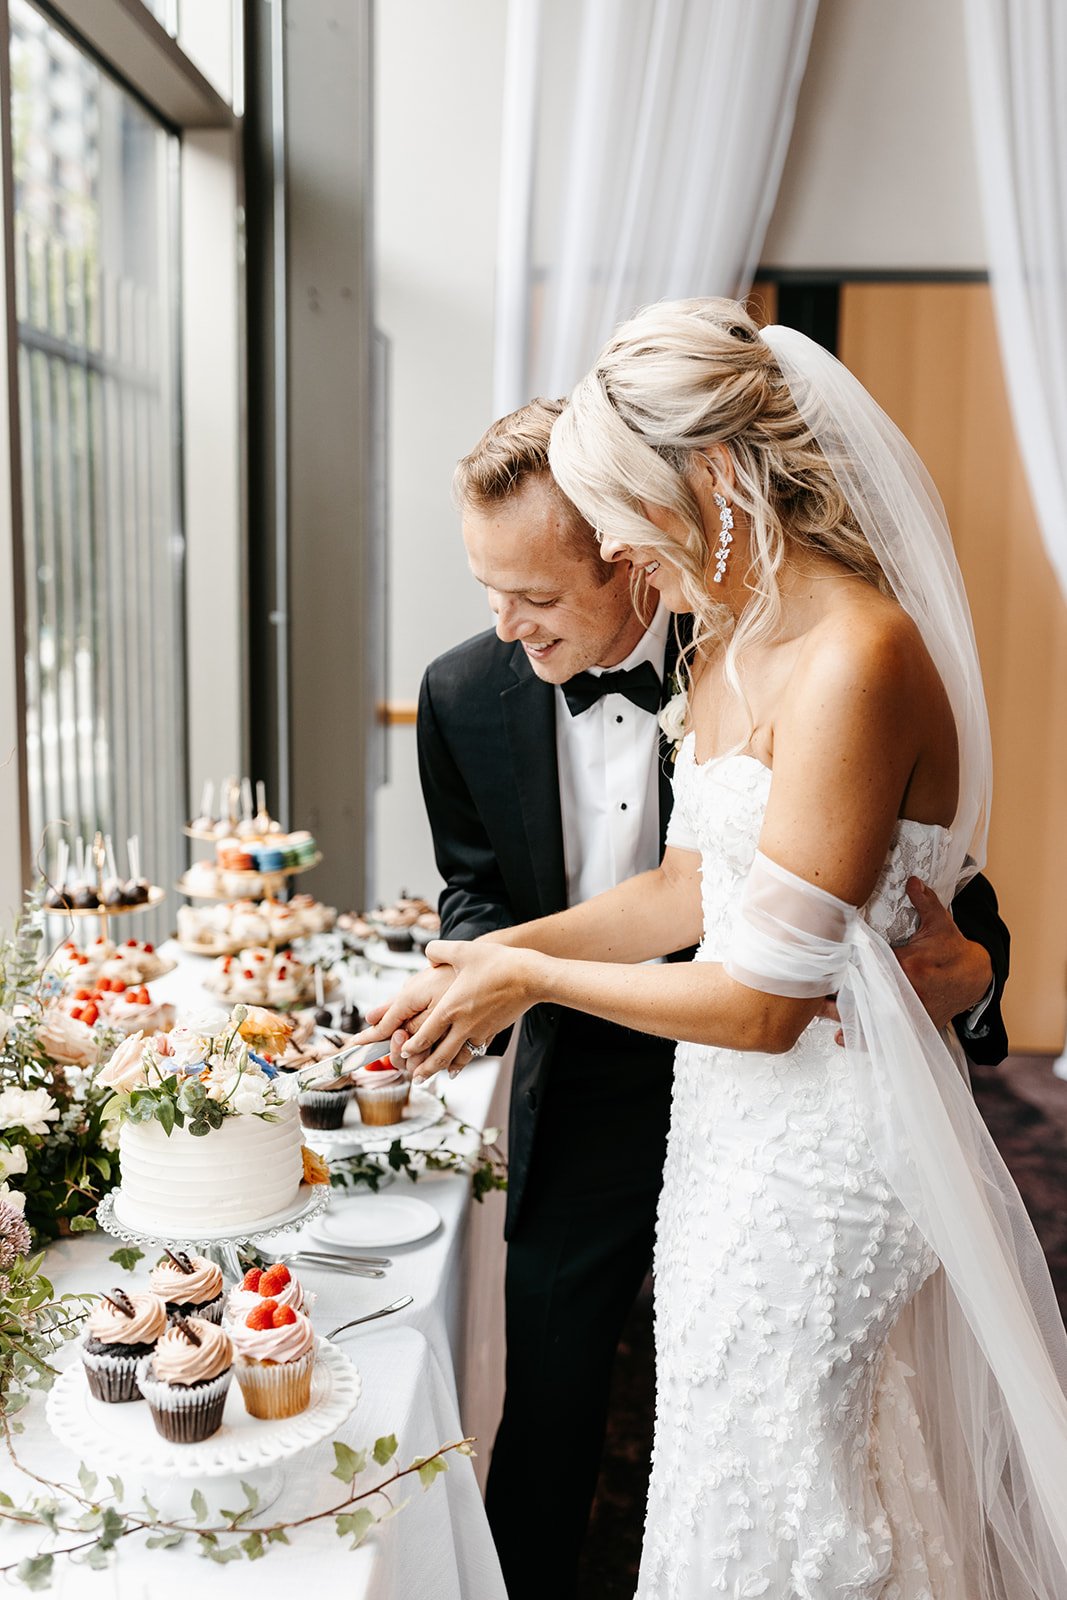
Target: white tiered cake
<point x="243" y="1175"/>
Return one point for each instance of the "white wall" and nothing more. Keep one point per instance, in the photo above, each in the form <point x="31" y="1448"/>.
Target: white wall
<point x="880" y="174"/>
<point x="437" y="125"/>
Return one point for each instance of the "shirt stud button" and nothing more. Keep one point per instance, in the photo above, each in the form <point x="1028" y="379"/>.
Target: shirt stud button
<point x="622" y="806"/>
<point x="618" y="719"/>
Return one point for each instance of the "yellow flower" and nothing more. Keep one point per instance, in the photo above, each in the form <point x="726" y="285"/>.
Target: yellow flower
<point x="265" y="1030"/>
<point x="315" y="1168"/>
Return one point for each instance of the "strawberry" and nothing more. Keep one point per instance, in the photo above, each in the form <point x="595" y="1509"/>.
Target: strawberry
<point x="247" y="974"/>
<point x="282" y="971"/>
<point x="274" y="1279"/>
<point x="380" y="1065"/>
<point x="117" y="986"/>
<point x="90" y="1014"/>
<point x="83" y="994"/>
<point x="149" y="949"/>
<point x="131" y="997"/>
<point x="103" y="986"/>
<point x="76" y="1013"/>
<point x="283" y="1316"/>
<point x="131" y="944"/>
<point x="251" y="1278"/>
<point x="262" y="1316"/>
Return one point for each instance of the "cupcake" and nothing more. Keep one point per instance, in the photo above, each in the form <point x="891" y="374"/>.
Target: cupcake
<point x="258" y="1284"/>
<point x="186" y="1378"/>
<point x="275" y="1355"/>
<point x="382" y="1092"/>
<point x="325" y="1105"/>
<point x="191" y="1286"/>
<point x="121" y="1330"/>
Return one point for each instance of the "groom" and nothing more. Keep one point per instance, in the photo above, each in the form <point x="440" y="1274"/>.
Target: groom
<point x="547" y="780"/>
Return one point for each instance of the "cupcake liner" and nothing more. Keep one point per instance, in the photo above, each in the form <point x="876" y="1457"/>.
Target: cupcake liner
<point x="275" y="1388"/>
<point x="323" y="1108"/>
<point x="384" y="1106"/>
<point x="211" y="1312"/>
<point x="112" y="1378"/>
<point x="184" y="1413"/>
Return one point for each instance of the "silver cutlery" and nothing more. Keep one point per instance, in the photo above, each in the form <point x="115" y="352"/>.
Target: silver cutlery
<point x="353" y="1269"/>
<point x="338" y="1255"/>
<point x="371" y="1316"/>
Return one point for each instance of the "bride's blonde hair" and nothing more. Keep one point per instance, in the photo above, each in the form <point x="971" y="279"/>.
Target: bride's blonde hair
<point x="679" y="377"/>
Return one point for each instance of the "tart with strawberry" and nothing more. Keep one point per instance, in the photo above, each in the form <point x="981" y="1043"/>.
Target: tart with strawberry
<point x="271" y="1283"/>
<point x="275" y="1356"/>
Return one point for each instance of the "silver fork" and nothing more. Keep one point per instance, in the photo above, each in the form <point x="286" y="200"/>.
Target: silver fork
<point x="371" y="1316"/>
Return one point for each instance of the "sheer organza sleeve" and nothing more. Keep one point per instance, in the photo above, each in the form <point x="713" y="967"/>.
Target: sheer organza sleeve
<point x="680" y="834"/>
<point x="992" y="1377"/>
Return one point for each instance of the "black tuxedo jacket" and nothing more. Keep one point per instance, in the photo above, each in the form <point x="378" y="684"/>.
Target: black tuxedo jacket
<point x="487" y="759"/>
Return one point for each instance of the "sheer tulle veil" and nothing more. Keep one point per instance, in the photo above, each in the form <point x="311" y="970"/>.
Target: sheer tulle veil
<point x="984" y="1337"/>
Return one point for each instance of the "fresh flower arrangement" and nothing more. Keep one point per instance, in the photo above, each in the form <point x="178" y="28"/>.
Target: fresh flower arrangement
<point x="672" y="718"/>
<point x="211" y="1066"/>
<point x="56" y="1149"/>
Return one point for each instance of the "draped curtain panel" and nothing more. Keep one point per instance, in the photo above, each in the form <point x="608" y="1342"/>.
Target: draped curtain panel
<point x="1017" y="53"/>
<point x="643" y="143"/>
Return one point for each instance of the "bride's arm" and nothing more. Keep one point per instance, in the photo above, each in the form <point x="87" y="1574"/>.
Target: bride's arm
<point x="846" y="743"/>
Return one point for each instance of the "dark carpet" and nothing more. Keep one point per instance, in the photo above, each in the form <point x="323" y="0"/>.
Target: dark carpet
<point x="1025" y="1108"/>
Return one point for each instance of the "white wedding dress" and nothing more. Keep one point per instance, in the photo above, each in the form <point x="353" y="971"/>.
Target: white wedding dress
<point x="788" y="1458"/>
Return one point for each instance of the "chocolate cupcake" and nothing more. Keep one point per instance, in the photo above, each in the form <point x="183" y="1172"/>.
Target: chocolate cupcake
<point x="190" y="1285"/>
<point x="325" y="1105"/>
<point x="186" y="1379"/>
<point x="121" y="1331"/>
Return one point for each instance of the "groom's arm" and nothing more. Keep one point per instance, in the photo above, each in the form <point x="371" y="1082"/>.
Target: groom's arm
<point x="475" y="898"/>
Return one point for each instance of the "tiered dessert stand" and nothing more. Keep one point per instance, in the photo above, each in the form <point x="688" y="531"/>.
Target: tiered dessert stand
<point x="217" y="1244"/>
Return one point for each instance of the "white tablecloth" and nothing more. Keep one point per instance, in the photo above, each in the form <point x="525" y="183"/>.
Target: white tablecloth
<point x="418" y="1380"/>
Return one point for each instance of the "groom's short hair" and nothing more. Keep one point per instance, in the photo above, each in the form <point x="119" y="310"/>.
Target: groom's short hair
<point x="512" y="453"/>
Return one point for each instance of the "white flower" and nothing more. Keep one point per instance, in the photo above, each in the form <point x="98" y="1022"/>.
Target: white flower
<point x="126" y="1067"/>
<point x="64" y="1039"/>
<point x="245" y="1094"/>
<point x="12" y="1160"/>
<point x="672" y="718"/>
<point x="15" y="1200"/>
<point x="32" y="1109"/>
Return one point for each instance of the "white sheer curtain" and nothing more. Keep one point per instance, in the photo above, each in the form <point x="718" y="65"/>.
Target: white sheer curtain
<point x="1018" y="67"/>
<point x="643" y="143"/>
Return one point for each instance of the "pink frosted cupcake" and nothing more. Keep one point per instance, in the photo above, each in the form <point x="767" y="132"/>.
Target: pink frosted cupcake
<point x="275" y="1283"/>
<point x="186" y="1379"/>
<point x="190" y="1285"/>
<point x="382" y="1092"/>
<point x="275" y="1348"/>
<point x="120" y="1332"/>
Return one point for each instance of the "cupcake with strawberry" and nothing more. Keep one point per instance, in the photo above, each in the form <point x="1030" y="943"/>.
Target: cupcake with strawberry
<point x="382" y="1092"/>
<point x="190" y="1285"/>
<point x="120" y="1332"/>
<point x="275" y="1357"/>
<point x="275" y="1283"/>
<point x="186" y="1379"/>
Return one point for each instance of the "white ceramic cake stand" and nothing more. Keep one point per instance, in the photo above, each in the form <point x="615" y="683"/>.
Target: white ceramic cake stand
<point x="217" y="1244"/>
<point x="124" y="1437"/>
<point x="423" y="1110"/>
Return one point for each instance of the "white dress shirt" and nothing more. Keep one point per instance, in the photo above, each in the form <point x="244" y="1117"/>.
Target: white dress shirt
<point x="609" y="779"/>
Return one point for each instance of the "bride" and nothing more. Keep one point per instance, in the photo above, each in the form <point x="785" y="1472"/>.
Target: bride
<point x="860" y="1364"/>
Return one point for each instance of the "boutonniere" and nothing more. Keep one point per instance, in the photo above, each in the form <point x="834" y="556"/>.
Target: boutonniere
<point x="673" y="716"/>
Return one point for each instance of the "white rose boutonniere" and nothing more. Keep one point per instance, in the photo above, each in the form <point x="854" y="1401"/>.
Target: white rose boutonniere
<point x="672" y="720"/>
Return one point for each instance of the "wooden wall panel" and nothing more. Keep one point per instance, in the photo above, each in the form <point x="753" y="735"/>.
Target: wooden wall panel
<point x="929" y="355"/>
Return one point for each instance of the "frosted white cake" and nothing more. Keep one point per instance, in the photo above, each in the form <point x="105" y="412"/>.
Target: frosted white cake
<point x="238" y="1176"/>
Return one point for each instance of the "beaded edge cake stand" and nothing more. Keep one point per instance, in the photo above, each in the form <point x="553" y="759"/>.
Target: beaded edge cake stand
<point x="218" y="1246"/>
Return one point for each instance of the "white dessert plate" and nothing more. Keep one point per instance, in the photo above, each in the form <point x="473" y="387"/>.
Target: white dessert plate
<point x="126" y="1436"/>
<point x="374" y="1221"/>
<point x="422" y="1111"/>
<point x="378" y="953"/>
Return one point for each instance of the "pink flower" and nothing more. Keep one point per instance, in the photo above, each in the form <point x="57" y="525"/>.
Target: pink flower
<point x="126" y="1067"/>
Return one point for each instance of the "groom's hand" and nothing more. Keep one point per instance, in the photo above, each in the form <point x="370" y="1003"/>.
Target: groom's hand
<point x="949" y="973"/>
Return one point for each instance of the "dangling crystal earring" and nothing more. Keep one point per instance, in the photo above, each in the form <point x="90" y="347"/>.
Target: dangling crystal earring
<point x="726" y="538"/>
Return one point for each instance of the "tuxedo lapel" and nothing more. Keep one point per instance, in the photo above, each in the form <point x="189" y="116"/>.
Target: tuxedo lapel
<point x="529" y="711"/>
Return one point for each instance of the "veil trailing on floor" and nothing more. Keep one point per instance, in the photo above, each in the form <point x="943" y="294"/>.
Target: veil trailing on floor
<point x="984" y="1336"/>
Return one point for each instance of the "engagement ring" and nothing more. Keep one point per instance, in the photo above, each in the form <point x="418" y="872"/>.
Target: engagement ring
<point x="475" y="1049"/>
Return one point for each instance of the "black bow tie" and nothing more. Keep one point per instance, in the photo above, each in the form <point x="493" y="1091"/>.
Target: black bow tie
<point x="640" y="685"/>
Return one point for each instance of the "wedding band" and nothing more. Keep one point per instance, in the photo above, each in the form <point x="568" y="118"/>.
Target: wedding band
<point x="475" y="1049"/>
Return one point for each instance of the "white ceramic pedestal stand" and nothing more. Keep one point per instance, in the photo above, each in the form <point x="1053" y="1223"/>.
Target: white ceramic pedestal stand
<point x="219" y="1245"/>
<point x="123" y="1438"/>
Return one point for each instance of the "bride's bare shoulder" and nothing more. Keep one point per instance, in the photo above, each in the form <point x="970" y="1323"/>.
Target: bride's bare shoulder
<point x="865" y="642"/>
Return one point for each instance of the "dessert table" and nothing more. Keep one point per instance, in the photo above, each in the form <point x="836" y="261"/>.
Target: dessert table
<point x="425" y="1377"/>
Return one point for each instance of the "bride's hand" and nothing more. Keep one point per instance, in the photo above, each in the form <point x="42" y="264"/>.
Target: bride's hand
<point x="490" y="987"/>
<point x="419" y="994"/>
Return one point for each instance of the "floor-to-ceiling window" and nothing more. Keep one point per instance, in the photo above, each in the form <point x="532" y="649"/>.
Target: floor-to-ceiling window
<point x="94" y="192"/>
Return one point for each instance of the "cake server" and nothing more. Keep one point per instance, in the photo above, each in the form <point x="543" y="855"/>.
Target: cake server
<point x="371" y="1316"/>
